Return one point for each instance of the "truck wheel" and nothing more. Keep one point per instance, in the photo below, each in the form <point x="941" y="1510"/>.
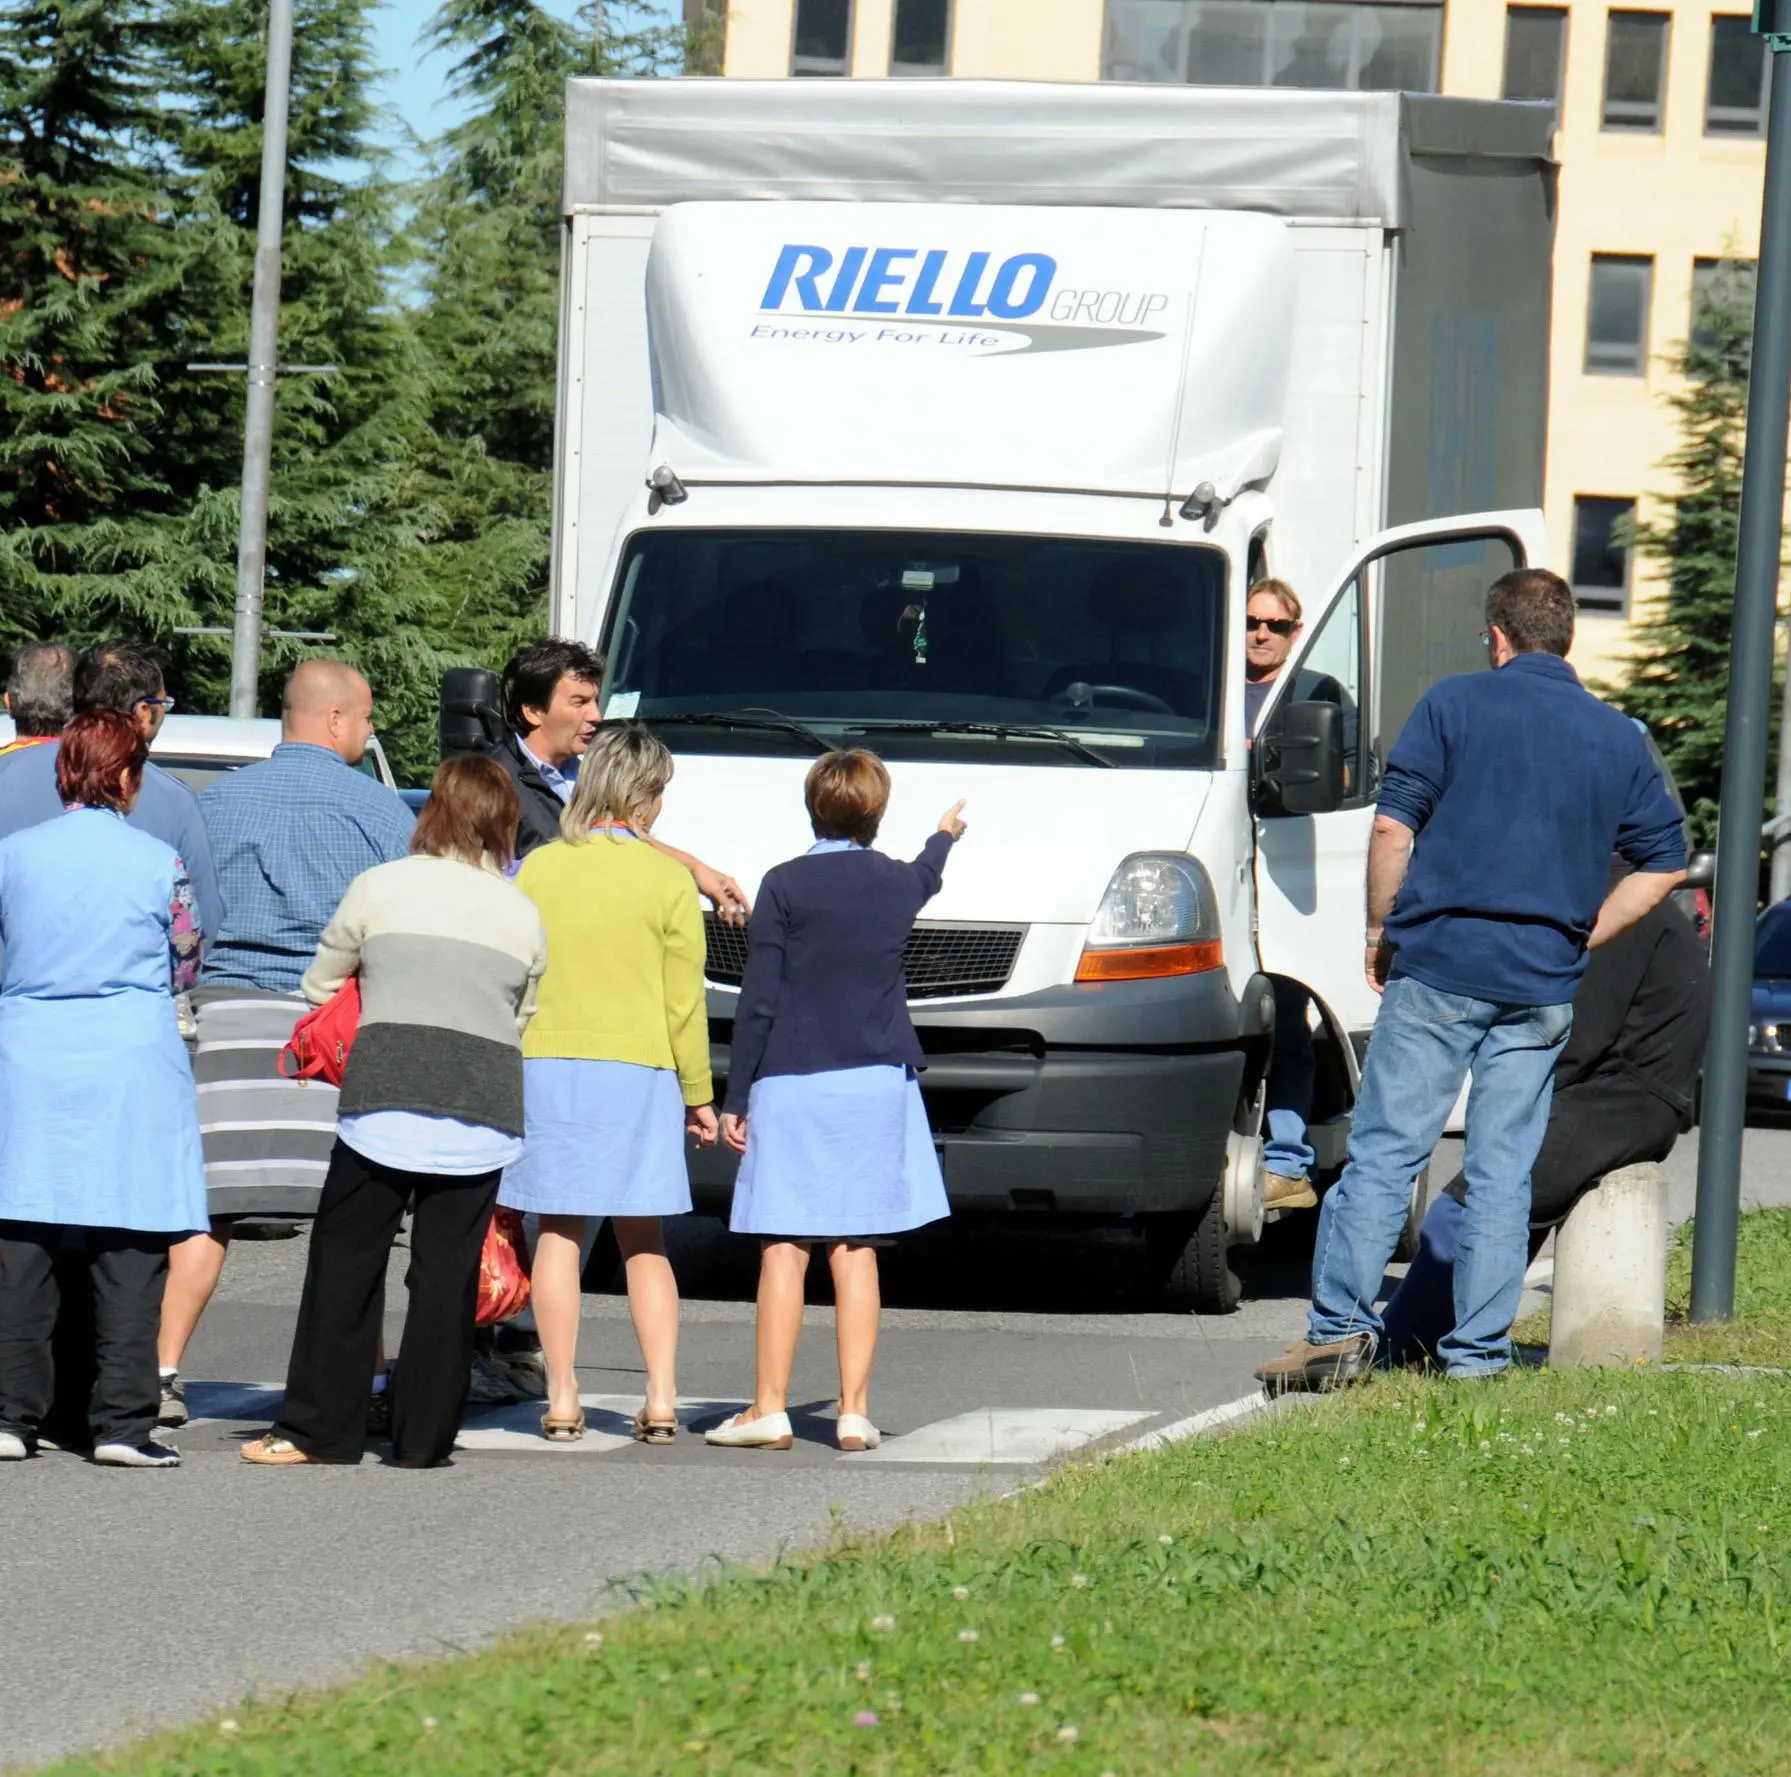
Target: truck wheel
<point x="1194" y="1263"/>
<point x="605" y="1261"/>
<point x="1416" y="1210"/>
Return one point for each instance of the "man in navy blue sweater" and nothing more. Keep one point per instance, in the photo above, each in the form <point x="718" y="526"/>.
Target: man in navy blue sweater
<point x="1505" y="795"/>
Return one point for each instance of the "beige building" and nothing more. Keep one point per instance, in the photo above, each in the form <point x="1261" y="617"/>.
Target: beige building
<point x="1662" y="148"/>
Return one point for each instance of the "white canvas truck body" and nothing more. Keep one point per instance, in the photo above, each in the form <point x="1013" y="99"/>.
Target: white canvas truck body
<point x="927" y="374"/>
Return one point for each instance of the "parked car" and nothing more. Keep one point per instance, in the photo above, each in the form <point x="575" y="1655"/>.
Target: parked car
<point x="197" y="749"/>
<point x="1769" y="1029"/>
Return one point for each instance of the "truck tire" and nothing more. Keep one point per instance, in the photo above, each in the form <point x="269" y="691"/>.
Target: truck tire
<point x="605" y="1261"/>
<point x="1193" y="1260"/>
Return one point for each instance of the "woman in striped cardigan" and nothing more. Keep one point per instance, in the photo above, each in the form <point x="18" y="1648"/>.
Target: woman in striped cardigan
<point x="448" y="953"/>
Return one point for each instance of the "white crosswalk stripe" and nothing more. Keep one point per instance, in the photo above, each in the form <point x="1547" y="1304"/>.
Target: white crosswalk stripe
<point x="1000" y="1437"/>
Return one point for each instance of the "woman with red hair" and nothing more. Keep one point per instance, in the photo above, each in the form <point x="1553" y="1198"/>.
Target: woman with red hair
<point x="100" y="1167"/>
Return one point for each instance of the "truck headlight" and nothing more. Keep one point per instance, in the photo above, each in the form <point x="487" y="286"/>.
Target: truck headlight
<point x="1158" y="917"/>
<point x="1765" y="1039"/>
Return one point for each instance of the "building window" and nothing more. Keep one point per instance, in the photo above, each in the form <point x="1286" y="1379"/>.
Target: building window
<point x="1535" y="52"/>
<point x="921" y="39"/>
<point x="1617" y="315"/>
<point x="1305" y="43"/>
<point x="1635" y="66"/>
<point x="1601" y="531"/>
<point x="1735" y="104"/>
<point x="823" y="41"/>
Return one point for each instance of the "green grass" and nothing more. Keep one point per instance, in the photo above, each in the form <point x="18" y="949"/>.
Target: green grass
<point x="1760" y="1333"/>
<point x="1542" y="1574"/>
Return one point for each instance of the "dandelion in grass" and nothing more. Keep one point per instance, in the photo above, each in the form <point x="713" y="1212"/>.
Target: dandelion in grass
<point x="227" y="1726"/>
<point x="1068" y="1732"/>
<point x="865" y="1718"/>
<point x="1079" y="1580"/>
<point x="1757" y="1432"/>
<point x="882" y="1624"/>
<point x="1343" y="1462"/>
<point x="864" y="1672"/>
<point x="430" y="1724"/>
<point x="1028" y="1698"/>
<point x="968" y="1635"/>
<point x="960" y="1593"/>
<point x="1165" y="1540"/>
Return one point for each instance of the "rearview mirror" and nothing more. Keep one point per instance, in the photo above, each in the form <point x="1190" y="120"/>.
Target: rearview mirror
<point x="1298" y="761"/>
<point x="1700" y="870"/>
<point x="470" y="719"/>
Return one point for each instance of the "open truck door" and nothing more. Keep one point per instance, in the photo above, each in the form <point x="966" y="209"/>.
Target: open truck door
<point x="1407" y="610"/>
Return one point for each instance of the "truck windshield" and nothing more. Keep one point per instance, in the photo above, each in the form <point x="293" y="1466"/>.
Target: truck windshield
<point x="1036" y="650"/>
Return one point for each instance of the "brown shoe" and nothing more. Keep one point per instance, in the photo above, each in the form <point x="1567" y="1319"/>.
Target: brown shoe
<point x="1281" y="1191"/>
<point x="1312" y="1369"/>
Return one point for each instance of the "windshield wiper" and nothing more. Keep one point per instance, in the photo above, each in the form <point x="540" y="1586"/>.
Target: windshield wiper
<point x="1000" y="731"/>
<point x="769" y="722"/>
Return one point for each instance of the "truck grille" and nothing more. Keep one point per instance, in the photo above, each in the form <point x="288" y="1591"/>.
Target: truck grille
<point x="941" y="959"/>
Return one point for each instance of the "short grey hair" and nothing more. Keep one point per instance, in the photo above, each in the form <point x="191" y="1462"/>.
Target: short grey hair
<point x="618" y="778"/>
<point x="40" y="689"/>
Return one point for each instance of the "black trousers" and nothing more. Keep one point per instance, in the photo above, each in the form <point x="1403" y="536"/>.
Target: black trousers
<point x="1594" y="1126"/>
<point x="337" y="1341"/>
<point x="120" y="1273"/>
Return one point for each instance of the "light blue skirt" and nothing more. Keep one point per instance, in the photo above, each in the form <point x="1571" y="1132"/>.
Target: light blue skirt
<point x="601" y="1138"/>
<point x="834" y="1155"/>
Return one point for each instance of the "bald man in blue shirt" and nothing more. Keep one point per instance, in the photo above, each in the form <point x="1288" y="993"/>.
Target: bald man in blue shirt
<point x="1504" y="798"/>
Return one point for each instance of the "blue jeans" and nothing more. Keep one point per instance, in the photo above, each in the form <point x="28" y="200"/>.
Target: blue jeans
<point x="1287" y="1103"/>
<point x="1425" y="1044"/>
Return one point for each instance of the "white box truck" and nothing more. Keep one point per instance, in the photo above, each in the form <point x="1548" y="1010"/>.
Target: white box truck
<point x="954" y="419"/>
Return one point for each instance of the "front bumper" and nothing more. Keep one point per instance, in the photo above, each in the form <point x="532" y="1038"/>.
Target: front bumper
<point x="1105" y="1101"/>
<point x="1769" y="1079"/>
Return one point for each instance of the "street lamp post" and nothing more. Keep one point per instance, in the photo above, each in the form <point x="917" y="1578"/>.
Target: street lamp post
<point x="1750" y="696"/>
<point x="263" y="368"/>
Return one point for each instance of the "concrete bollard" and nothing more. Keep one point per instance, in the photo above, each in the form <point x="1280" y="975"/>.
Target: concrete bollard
<point x="1610" y="1293"/>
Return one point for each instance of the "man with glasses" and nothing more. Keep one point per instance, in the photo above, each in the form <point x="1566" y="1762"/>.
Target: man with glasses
<point x="127" y="677"/>
<point x="1488" y="887"/>
<point x="1272" y="626"/>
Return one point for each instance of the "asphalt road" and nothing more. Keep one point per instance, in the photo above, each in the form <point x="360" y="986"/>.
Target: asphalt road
<point x="133" y="1599"/>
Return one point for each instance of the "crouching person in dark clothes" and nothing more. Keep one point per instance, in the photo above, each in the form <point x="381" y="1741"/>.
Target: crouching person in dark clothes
<point x="1623" y="1095"/>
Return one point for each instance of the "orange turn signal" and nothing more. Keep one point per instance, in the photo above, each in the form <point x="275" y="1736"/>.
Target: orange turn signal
<point x="1150" y="962"/>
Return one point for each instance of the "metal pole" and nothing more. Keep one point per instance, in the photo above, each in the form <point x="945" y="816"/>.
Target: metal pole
<point x="1744" y="741"/>
<point x="264" y="351"/>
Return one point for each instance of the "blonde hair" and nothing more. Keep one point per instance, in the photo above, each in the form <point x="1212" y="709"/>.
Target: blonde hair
<point x="624" y="770"/>
<point x="1281" y="591"/>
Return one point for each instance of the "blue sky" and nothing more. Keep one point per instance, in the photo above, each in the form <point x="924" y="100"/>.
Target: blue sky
<point x="415" y="83"/>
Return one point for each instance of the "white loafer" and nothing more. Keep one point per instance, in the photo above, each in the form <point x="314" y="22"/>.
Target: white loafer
<point x="772" y="1432"/>
<point x="857" y="1433"/>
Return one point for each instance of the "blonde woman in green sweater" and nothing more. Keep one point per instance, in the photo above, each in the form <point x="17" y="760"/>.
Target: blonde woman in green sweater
<point x="616" y="1066"/>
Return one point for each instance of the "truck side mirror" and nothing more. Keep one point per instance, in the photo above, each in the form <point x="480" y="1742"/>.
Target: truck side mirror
<point x="1298" y="761"/>
<point x="470" y="717"/>
<point x="1700" y="870"/>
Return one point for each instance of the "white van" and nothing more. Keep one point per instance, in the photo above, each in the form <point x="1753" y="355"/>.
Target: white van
<point x="954" y="419"/>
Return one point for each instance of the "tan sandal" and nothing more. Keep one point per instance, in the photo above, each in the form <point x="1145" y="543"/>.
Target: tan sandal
<point x="563" y="1431"/>
<point x="271" y="1450"/>
<point x="654" y="1431"/>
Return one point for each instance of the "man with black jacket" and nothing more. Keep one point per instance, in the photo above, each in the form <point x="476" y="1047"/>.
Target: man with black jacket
<point x="1623" y="1094"/>
<point x="550" y="692"/>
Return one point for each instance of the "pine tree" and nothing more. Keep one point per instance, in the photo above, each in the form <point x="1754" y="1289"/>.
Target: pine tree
<point x="340" y="530"/>
<point x="487" y="233"/>
<point x="1679" y="672"/>
<point x="88" y="265"/>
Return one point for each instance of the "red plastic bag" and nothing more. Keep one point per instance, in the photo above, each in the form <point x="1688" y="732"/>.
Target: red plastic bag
<point x="323" y="1037"/>
<point x="503" y="1277"/>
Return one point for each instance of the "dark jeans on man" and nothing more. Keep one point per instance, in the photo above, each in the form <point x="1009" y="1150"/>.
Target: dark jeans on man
<point x="124" y="1270"/>
<point x="1595" y="1126"/>
<point x="337" y="1340"/>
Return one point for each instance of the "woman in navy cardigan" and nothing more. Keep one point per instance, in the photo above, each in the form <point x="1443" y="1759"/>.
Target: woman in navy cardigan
<point x="822" y="1098"/>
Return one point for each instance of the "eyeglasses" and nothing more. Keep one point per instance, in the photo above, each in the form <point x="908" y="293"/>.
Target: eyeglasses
<point x="1280" y="626"/>
<point x="164" y="704"/>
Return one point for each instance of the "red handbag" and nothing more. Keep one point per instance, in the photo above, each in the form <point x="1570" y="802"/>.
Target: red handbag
<point x="322" y="1038"/>
<point x="503" y="1277"/>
